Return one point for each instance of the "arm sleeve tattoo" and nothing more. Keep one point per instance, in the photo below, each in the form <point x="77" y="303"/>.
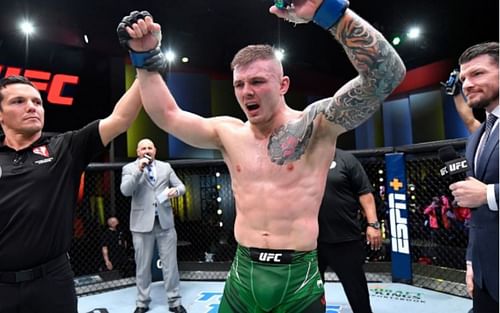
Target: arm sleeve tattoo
<point x="380" y="72"/>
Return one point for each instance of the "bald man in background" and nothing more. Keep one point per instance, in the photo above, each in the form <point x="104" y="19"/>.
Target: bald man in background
<point x="151" y="184"/>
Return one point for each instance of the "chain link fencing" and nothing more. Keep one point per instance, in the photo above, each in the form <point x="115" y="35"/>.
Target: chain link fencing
<point x="205" y="217"/>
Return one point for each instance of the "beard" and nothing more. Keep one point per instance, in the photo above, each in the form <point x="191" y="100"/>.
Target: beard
<point x="482" y="102"/>
<point x="478" y="104"/>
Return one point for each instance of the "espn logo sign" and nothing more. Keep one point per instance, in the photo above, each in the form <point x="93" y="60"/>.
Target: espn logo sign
<point x="52" y="84"/>
<point x="399" y="223"/>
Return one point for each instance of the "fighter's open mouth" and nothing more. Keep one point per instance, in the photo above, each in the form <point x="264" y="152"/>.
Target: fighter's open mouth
<point x="252" y="107"/>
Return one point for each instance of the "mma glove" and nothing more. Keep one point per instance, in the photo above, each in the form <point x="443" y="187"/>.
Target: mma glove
<point x="153" y="60"/>
<point x="453" y="86"/>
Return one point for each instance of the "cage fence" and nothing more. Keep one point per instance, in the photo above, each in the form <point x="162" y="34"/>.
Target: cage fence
<point x="204" y="219"/>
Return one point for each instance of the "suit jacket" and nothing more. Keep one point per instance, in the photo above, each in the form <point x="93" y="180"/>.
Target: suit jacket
<point x="483" y="234"/>
<point x="145" y="195"/>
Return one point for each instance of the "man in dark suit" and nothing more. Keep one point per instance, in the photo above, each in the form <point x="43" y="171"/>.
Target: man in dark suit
<point x="151" y="183"/>
<point x="479" y="191"/>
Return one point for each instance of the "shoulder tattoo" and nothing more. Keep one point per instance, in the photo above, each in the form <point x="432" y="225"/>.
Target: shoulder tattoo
<point x="289" y="142"/>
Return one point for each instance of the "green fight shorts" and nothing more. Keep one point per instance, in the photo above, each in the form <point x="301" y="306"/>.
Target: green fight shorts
<point x="277" y="281"/>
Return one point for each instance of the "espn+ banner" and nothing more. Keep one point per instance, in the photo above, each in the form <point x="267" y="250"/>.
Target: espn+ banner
<point x="398" y="217"/>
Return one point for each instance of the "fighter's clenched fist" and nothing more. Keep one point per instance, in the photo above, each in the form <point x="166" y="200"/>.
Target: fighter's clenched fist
<point x="138" y="33"/>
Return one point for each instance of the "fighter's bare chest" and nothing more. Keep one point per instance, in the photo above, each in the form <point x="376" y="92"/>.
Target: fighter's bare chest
<point x="255" y="161"/>
<point x="274" y="152"/>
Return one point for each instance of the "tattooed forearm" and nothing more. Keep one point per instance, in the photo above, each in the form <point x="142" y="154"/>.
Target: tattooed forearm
<point x="380" y="72"/>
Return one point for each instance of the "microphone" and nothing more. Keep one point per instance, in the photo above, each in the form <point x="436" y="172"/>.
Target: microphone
<point x="455" y="165"/>
<point x="453" y="86"/>
<point x="145" y="161"/>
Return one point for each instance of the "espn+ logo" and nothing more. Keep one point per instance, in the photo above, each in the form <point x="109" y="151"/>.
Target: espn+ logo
<point x="53" y="84"/>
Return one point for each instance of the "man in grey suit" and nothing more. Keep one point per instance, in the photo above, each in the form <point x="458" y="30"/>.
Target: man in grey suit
<point x="151" y="183"/>
<point x="479" y="191"/>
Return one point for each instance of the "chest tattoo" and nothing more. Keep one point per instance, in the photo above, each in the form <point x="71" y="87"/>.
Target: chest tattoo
<point x="289" y="142"/>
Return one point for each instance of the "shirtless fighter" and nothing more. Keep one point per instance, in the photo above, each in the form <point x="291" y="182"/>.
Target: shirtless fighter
<point x="279" y="158"/>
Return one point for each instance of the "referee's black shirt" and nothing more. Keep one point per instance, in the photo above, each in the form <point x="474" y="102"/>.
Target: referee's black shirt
<point x="338" y="215"/>
<point x="38" y="193"/>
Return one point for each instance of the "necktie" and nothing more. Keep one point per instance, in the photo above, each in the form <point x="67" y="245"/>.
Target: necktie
<point x="151" y="175"/>
<point x="490" y="121"/>
<point x="152" y="179"/>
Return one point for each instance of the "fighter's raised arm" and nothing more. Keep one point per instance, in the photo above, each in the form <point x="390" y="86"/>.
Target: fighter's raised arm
<point x="380" y="68"/>
<point x="279" y="157"/>
<point x="142" y="36"/>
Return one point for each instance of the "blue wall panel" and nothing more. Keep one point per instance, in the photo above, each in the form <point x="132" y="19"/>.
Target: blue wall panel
<point x="397" y="122"/>
<point x="454" y="127"/>
<point x="427" y="116"/>
<point x="365" y="134"/>
<point x="192" y="93"/>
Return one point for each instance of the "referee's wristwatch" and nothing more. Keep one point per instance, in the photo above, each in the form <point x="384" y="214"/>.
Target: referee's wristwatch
<point x="375" y="225"/>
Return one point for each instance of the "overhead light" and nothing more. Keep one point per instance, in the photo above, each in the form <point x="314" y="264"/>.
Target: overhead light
<point x="185" y="60"/>
<point x="413" y="33"/>
<point x="170" y="55"/>
<point x="27" y="27"/>
<point x="86" y="38"/>
<point x="396" y="41"/>
<point x="280" y="54"/>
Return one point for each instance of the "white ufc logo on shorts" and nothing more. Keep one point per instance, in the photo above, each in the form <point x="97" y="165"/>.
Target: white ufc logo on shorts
<point x="270" y="257"/>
